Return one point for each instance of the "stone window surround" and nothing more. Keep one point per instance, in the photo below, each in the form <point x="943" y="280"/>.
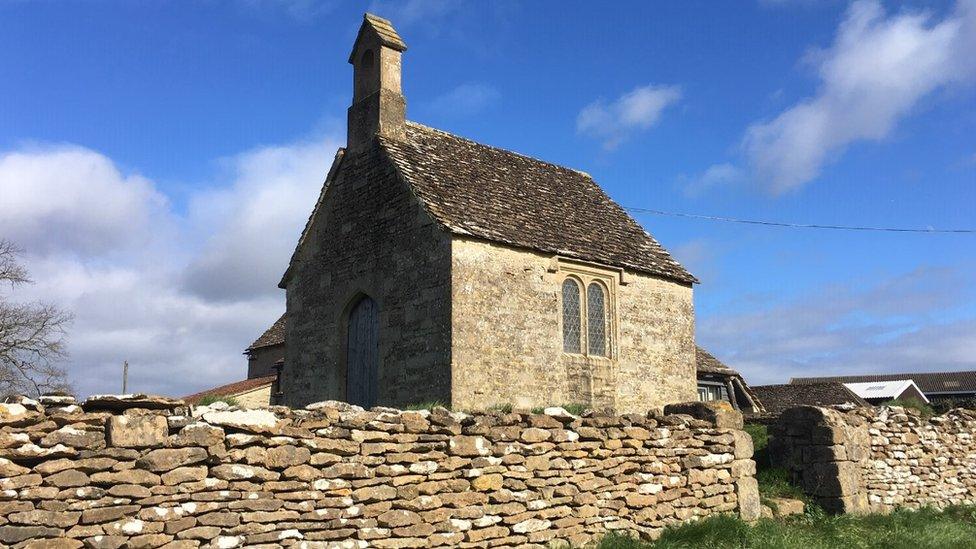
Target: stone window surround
<point x="584" y="274"/>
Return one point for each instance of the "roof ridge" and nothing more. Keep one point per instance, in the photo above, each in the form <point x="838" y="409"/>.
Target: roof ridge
<point x="502" y="149"/>
<point x="886" y="374"/>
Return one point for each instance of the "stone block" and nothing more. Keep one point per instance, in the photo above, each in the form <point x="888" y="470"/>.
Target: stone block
<point x="167" y="459"/>
<point x="747" y="493"/>
<point x="719" y="413"/>
<point x="137" y="431"/>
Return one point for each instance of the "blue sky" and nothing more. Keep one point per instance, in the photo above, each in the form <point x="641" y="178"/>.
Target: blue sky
<point x="159" y="159"/>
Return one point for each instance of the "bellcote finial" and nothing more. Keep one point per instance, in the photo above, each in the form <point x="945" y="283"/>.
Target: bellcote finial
<point x="378" y="105"/>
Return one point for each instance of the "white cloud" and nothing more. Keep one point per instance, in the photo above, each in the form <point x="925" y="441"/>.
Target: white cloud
<point x="874" y="74"/>
<point x="408" y="12"/>
<point x="717" y="175"/>
<point x="255" y="221"/>
<point x="107" y="246"/>
<point x="464" y="100"/>
<point x="612" y="123"/>
<point x="909" y="322"/>
<point x="69" y="198"/>
<point x="300" y="10"/>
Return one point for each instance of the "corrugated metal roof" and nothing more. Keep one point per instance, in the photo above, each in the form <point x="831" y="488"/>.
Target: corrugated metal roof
<point x="928" y="382"/>
<point x="882" y="389"/>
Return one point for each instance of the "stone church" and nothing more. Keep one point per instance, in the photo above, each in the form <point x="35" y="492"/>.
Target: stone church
<point x="436" y="268"/>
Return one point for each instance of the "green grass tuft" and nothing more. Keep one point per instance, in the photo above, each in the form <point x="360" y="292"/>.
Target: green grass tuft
<point x="776" y="483"/>
<point x="428" y="405"/>
<point x="576" y="408"/>
<point x="954" y="527"/>
<point x="210" y="399"/>
<point x="501" y="408"/>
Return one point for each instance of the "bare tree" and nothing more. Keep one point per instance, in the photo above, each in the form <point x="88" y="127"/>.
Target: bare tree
<point x="32" y="335"/>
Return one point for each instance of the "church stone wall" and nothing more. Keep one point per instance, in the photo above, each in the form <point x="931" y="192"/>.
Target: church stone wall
<point x="144" y="472"/>
<point x="507" y="336"/>
<point x="370" y="236"/>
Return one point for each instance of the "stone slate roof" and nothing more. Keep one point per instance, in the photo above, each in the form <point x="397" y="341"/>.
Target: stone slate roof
<point x="275" y="335"/>
<point x="383" y="29"/>
<point x="231" y="389"/>
<point x="501" y="196"/>
<point x="777" y="398"/>
<point x="709" y="364"/>
<point x="928" y="382"/>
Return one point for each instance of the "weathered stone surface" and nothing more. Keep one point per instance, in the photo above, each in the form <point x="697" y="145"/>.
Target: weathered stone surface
<point x="485" y="483"/>
<point x="469" y="446"/>
<point x="167" y="459"/>
<point x="199" y="434"/>
<point x="717" y="412"/>
<point x="184" y="474"/>
<point x="74" y="437"/>
<point x="105" y="542"/>
<point x="282" y="457"/>
<point x="59" y="543"/>
<point x="129" y="476"/>
<point x="397" y="518"/>
<point x="11" y="469"/>
<point x="252" y="421"/>
<point x="124" y="402"/>
<point x="46" y="518"/>
<point x="137" y="431"/>
<point x="15" y="534"/>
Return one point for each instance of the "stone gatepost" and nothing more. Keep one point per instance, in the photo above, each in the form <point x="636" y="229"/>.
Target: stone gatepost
<point x="824" y="451"/>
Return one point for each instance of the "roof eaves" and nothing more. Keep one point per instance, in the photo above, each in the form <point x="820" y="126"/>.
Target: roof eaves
<point x="326" y="185"/>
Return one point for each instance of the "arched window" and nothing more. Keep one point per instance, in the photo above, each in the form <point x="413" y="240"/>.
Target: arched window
<point x="596" y="319"/>
<point x="571" y="316"/>
<point x="366" y="61"/>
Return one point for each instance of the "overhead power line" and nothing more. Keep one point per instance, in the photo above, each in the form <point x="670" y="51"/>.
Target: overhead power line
<point x="801" y="225"/>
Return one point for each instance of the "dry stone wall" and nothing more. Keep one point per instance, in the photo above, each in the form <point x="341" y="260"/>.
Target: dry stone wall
<point x="877" y="459"/>
<point x="145" y="472"/>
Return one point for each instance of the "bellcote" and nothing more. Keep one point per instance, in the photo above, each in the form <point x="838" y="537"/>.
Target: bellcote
<point x="378" y="105"/>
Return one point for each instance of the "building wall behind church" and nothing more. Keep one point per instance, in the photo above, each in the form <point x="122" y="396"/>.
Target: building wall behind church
<point x="371" y="236"/>
<point x="508" y="340"/>
<point x="261" y="361"/>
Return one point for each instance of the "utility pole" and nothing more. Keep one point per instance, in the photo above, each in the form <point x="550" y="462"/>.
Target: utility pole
<point x="125" y="377"/>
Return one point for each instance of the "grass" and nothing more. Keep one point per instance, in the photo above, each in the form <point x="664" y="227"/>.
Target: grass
<point x="904" y="529"/>
<point x="428" y="405"/>
<point x="773" y="482"/>
<point x="914" y="404"/>
<point x="501" y="408"/>
<point x="210" y="399"/>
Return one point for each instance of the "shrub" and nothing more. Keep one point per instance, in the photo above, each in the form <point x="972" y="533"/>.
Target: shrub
<point x="914" y="404"/>
<point x="943" y="405"/>
<point x="210" y="399"/>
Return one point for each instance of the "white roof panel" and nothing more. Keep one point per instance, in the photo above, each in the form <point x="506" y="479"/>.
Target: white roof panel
<point x="882" y="389"/>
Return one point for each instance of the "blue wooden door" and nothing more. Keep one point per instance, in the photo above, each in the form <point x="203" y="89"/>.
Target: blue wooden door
<point x="362" y="354"/>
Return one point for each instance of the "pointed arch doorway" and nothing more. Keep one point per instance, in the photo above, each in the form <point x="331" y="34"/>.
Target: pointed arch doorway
<point x="362" y="353"/>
